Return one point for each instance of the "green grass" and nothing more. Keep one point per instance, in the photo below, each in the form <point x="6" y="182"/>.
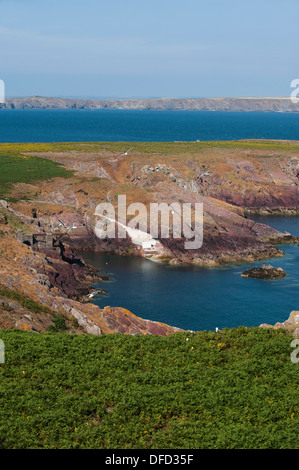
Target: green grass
<point x="15" y="222"/>
<point x="16" y="168"/>
<point x="173" y="148"/>
<point x="58" y="320"/>
<point x="166" y="148"/>
<point x="235" y="390"/>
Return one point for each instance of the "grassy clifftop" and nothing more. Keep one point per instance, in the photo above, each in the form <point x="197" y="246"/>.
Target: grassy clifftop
<point x="18" y="168"/>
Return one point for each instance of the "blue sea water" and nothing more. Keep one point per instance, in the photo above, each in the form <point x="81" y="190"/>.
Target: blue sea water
<point x="33" y="125"/>
<point x="197" y="298"/>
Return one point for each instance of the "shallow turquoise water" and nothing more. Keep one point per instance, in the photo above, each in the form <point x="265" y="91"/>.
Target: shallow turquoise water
<point x="203" y="298"/>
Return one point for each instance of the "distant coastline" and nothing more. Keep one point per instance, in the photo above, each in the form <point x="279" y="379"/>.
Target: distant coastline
<point x="245" y="104"/>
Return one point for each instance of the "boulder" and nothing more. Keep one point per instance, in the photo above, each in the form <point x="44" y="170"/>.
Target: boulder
<point x="264" y="272"/>
<point x="4" y="203"/>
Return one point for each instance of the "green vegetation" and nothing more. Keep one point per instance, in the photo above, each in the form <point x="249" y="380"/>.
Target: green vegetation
<point x="24" y="301"/>
<point x="60" y="321"/>
<point x="59" y="324"/>
<point x="165" y="148"/>
<point x="172" y="148"/>
<point x="17" y="168"/>
<point x="14" y="221"/>
<point x="235" y="389"/>
<point x="177" y="148"/>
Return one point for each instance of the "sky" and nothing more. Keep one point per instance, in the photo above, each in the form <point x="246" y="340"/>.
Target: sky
<point x="147" y="49"/>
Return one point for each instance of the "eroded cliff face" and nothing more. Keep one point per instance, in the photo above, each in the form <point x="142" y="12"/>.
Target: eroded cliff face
<point x="38" y="288"/>
<point x="230" y="182"/>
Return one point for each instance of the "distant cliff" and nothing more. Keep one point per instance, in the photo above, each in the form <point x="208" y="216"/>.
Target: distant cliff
<point x="161" y="104"/>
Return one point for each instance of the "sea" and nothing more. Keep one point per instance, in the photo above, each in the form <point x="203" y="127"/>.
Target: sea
<point x="42" y="125"/>
<point x="188" y="297"/>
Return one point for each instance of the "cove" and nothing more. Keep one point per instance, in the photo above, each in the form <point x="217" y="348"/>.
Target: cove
<point x="196" y="298"/>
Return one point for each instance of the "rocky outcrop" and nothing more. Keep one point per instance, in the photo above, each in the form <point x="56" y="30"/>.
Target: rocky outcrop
<point x="123" y="321"/>
<point x="258" y="184"/>
<point x="291" y="324"/>
<point x="264" y="272"/>
<point x="67" y="271"/>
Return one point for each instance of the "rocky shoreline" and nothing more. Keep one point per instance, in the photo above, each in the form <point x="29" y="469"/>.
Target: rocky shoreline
<point x="42" y="263"/>
<point x="173" y="251"/>
<point x="64" y="282"/>
<point x="36" y="289"/>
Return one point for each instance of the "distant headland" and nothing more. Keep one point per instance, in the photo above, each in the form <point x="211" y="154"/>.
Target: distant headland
<point x="245" y="104"/>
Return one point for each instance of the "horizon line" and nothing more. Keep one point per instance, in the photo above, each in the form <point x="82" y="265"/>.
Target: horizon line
<point x="148" y="98"/>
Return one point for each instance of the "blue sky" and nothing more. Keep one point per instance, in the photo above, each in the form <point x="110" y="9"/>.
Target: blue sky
<point x="137" y="48"/>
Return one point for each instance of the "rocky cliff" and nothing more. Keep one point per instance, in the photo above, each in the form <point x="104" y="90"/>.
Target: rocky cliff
<point x="45" y="290"/>
<point x="171" y="104"/>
